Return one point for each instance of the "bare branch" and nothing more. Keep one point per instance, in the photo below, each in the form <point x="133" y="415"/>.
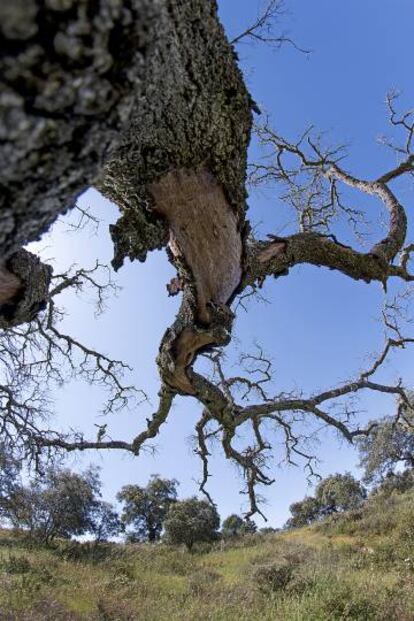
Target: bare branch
<point x="262" y="30"/>
<point x="286" y="412"/>
<point x="35" y="357"/>
<point x="312" y="190"/>
<point x="86" y="219"/>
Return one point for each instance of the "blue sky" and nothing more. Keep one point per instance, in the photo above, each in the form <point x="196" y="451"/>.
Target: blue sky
<point x="319" y="326"/>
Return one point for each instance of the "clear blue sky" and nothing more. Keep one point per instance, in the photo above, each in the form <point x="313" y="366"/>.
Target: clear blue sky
<point x="319" y="325"/>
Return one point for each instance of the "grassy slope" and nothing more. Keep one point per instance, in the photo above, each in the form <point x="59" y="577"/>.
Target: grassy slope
<point x="360" y="566"/>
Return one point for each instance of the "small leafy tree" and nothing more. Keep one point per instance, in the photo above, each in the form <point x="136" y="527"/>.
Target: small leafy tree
<point x="235" y="525"/>
<point x="304" y="512"/>
<point x="145" y="508"/>
<point x="9" y="477"/>
<point x="399" y="482"/>
<point x="390" y="444"/>
<point x="104" y="522"/>
<point x="192" y="521"/>
<point x="339" y="492"/>
<point x="248" y="527"/>
<point x="59" y="504"/>
<point x="336" y="493"/>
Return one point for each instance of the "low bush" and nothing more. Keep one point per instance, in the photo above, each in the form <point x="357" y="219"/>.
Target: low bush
<point x="201" y="581"/>
<point x="272" y="577"/>
<point x="16" y="564"/>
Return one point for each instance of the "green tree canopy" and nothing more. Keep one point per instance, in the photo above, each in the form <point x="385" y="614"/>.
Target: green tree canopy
<point x="391" y="443"/>
<point x="304" y="512"/>
<point x="104" y="521"/>
<point x="339" y="492"/>
<point x="336" y="493"/>
<point x="145" y="508"/>
<point x="58" y="504"/>
<point x="191" y="521"/>
<point x="235" y="525"/>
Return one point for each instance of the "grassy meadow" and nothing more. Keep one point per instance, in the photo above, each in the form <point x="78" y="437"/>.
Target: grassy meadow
<point x="357" y="566"/>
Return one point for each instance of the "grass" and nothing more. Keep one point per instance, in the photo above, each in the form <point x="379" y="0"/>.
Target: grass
<point x="358" y="566"/>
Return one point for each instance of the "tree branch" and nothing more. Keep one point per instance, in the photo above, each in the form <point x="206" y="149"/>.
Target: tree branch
<point x="262" y="28"/>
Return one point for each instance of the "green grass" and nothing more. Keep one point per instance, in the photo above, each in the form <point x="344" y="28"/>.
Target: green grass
<point x="358" y="566"/>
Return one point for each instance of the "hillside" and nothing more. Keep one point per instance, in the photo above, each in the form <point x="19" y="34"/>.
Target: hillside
<point x="357" y="566"/>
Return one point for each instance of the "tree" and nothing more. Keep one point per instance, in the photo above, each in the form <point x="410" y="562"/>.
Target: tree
<point x="390" y="444"/>
<point x="145" y="508"/>
<point x="9" y="477"/>
<point x="104" y="521"/>
<point x="191" y="521"/>
<point x="62" y="139"/>
<point x="167" y="142"/>
<point x="336" y="493"/>
<point x="37" y="358"/>
<point x="399" y="482"/>
<point x="235" y="525"/>
<point x="339" y="492"/>
<point x="304" y="512"/>
<point x="232" y="525"/>
<point x="59" y="504"/>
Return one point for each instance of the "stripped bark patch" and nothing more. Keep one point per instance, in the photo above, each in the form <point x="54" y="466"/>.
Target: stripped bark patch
<point x="204" y="230"/>
<point x="10" y="285"/>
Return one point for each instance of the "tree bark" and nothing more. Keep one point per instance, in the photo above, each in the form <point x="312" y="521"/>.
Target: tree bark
<point x="116" y="95"/>
<point x="144" y="100"/>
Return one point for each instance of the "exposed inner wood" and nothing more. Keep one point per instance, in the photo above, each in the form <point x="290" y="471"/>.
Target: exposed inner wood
<point x="10" y="285"/>
<point x="204" y="231"/>
<point x="272" y="251"/>
<point x="185" y="348"/>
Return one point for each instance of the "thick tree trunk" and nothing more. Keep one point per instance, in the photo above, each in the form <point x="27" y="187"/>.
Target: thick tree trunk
<point x="137" y="98"/>
<point x="144" y="100"/>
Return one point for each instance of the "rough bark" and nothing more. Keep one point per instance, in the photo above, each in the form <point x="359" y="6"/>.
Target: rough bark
<point x="145" y="101"/>
<point x="69" y="71"/>
<point x="122" y="83"/>
<point x="184" y="159"/>
<point x="68" y="75"/>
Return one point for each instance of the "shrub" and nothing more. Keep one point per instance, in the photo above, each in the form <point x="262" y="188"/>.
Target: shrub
<point x="201" y="581"/>
<point x="272" y="577"/>
<point x="14" y="564"/>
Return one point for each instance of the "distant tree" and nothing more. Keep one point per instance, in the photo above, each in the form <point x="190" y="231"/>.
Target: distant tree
<point x="104" y="522"/>
<point x="9" y="476"/>
<point x="268" y="530"/>
<point x="232" y="525"/>
<point x="304" y="512"/>
<point x="235" y="525"/>
<point x="248" y="527"/>
<point x="400" y="482"/>
<point x="145" y="508"/>
<point x="59" y="504"/>
<point x="336" y="493"/>
<point x="339" y="492"/>
<point x="390" y="444"/>
<point x="191" y="521"/>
